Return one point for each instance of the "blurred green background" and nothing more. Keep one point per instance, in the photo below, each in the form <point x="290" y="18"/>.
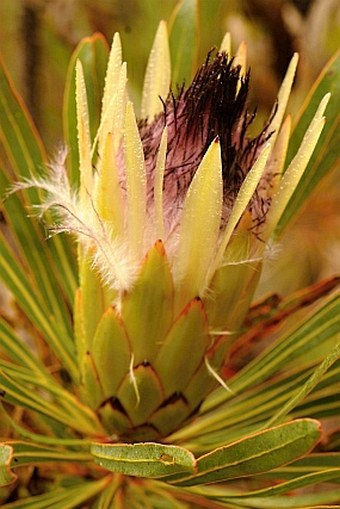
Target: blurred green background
<point x="37" y="38"/>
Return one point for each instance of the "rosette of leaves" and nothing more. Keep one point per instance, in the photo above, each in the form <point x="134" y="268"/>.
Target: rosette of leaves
<point x="140" y="377"/>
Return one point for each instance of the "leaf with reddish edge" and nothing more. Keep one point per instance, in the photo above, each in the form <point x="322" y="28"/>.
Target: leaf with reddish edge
<point x="257" y="453"/>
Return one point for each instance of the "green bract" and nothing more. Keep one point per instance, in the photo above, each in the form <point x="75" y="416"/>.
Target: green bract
<point x="173" y="217"/>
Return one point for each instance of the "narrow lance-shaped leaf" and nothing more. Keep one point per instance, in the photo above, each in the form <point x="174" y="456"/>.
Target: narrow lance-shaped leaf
<point x="256" y="453"/>
<point x="22" y="388"/>
<point x="63" y="497"/>
<point x="29" y="301"/>
<point x="266" y="497"/>
<point x="146" y="459"/>
<point x="18" y="351"/>
<point x="28" y="453"/>
<point x="311" y="383"/>
<point x="26" y="154"/>
<point x="315" y="462"/>
<point x="18" y="133"/>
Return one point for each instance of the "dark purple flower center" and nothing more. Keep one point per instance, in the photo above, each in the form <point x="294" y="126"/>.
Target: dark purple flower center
<point x="214" y="105"/>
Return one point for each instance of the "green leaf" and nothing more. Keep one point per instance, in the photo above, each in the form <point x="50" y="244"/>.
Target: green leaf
<point x="30" y="300"/>
<point x="22" y="143"/>
<point x="19" y="387"/>
<point x="27" y="157"/>
<point x="257" y="453"/>
<point x="68" y="497"/>
<point x="17" y="350"/>
<point x="183" y="30"/>
<point x="44" y="439"/>
<point x="241" y="418"/>
<point x="311" y="332"/>
<point x="312" y="381"/>
<point x="269" y="497"/>
<point x="93" y="54"/>
<point x="146" y="459"/>
<point x="327" y="150"/>
<point x="26" y="453"/>
<point x="6" y="476"/>
<point x="50" y="262"/>
<point x="313" y="463"/>
<point x="299" y="482"/>
<point x="108" y="495"/>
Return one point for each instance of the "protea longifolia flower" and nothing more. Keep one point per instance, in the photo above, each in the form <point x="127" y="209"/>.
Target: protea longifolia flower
<point x="173" y="216"/>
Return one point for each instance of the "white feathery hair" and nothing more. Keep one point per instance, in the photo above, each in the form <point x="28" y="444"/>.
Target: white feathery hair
<point x="110" y="255"/>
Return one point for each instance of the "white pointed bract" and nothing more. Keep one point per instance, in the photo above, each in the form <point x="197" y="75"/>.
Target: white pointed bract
<point x="201" y="220"/>
<point x="157" y="75"/>
<point x="114" y="98"/>
<point x="135" y="183"/>
<point x="158" y="185"/>
<point x="226" y="44"/>
<point x="283" y="96"/>
<point x="108" y="198"/>
<point x="113" y="73"/>
<point x="84" y="140"/>
<point x="292" y="175"/>
<point x="244" y="196"/>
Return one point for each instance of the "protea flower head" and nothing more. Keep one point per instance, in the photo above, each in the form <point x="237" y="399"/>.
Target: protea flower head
<point x="174" y="215"/>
